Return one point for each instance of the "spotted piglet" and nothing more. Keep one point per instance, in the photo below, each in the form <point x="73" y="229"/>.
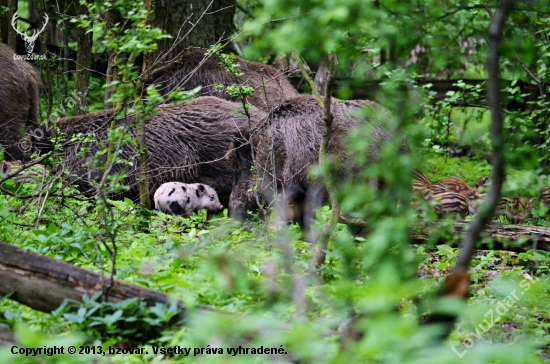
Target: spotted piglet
<point x="179" y="199"/>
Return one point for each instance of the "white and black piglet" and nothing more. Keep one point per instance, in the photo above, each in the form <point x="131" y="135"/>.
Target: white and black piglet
<point x="179" y="198"/>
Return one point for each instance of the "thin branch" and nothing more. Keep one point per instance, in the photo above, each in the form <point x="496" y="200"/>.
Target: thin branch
<point x="456" y="10"/>
<point x="311" y="83"/>
<point x="531" y="75"/>
<point x="457" y="284"/>
<point x="246" y="12"/>
<point x="493" y="97"/>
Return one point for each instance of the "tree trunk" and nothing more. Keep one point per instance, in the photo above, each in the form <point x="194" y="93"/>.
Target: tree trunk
<point x="207" y="22"/>
<point x="66" y="51"/>
<point x="4" y="22"/>
<point x="324" y="81"/>
<point x="12" y="34"/>
<point x="143" y="183"/>
<point x="112" y="17"/>
<point x="83" y="63"/>
<point x="112" y="70"/>
<point x="47" y="78"/>
<point x="457" y="284"/>
<point x="34" y="15"/>
<point x="326" y="69"/>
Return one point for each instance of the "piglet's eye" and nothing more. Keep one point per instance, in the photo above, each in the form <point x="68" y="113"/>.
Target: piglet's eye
<point x="211" y="198"/>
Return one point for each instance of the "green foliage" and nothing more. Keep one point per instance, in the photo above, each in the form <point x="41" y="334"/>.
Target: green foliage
<point x="227" y="61"/>
<point x="448" y="123"/>
<point x="367" y="302"/>
<point x="28" y="339"/>
<point x="130" y="321"/>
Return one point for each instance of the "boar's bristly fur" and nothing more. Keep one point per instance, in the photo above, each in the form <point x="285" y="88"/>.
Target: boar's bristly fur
<point x="270" y="84"/>
<point x="287" y="143"/>
<point x="19" y="102"/>
<point x="186" y="143"/>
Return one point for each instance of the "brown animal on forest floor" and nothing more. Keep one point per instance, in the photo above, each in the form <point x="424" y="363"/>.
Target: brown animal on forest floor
<point x="421" y="181"/>
<point x="19" y="103"/>
<point x="187" y="143"/>
<point x="448" y="202"/>
<point x="270" y="84"/>
<point x="35" y="174"/>
<point x="516" y="209"/>
<point x="287" y="143"/>
<point x="545" y="196"/>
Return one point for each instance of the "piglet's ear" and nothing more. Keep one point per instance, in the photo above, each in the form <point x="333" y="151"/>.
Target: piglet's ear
<point x="201" y="188"/>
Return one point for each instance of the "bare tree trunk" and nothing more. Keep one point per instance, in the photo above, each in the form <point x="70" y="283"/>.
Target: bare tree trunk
<point x="325" y="81"/>
<point x="12" y="34"/>
<point x="143" y="183"/>
<point x="83" y="64"/>
<point x="193" y="23"/>
<point x="112" y="71"/>
<point x="4" y="22"/>
<point x="47" y="80"/>
<point x="326" y="68"/>
<point x="493" y="97"/>
<point x="65" y="73"/>
<point x="112" y="17"/>
<point x="34" y="15"/>
<point x="66" y="51"/>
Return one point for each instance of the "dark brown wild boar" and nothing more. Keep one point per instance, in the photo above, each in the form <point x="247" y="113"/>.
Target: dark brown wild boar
<point x="271" y="84"/>
<point x="187" y="143"/>
<point x="19" y="104"/>
<point x="286" y="144"/>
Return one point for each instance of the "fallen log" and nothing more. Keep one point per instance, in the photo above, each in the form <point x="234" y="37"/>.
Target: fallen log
<point x="516" y="238"/>
<point x="368" y="89"/>
<point x="43" y="283"/>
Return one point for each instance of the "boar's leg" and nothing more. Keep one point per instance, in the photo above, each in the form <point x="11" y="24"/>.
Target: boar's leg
<point x="299" y="206"/>
<point x="313" y="200"/>
<point x="292" y="206"/>
<point x="240" y="200"/>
